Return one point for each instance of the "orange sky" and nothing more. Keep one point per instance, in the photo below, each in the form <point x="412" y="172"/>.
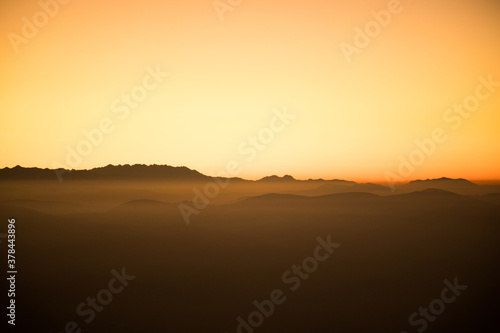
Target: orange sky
<point x="353" y="119"/>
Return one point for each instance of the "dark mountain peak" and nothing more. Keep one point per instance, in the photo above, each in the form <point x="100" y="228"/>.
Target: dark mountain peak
<point x="274" y="178"/>
<point x="444" y="180"/>
<point x="108" y="172"/>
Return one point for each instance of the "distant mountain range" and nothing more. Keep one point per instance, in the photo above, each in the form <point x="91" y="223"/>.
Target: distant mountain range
<point x="137" y="171"/>
<point x="285" y="184"/>
<point x="141" y="171"/>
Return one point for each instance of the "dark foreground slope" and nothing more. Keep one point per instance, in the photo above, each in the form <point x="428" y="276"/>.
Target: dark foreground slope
<point x="394" y="254"/>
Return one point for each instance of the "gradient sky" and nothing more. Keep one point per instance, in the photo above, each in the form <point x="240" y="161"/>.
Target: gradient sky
<point x="353" y="120"/>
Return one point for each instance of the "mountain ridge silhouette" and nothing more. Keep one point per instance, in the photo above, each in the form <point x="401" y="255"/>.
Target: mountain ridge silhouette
<point x="180" y="173"/>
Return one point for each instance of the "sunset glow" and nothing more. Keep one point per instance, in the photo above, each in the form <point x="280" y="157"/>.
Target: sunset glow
<point x="202" y="83"/>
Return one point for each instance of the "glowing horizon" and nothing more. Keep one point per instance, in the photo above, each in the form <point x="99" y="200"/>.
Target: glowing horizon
<point x="204" y="87"/>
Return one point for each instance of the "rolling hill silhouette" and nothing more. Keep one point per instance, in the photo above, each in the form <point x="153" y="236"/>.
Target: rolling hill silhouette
<point x="397" y="247"/>
<point x="45" y="206"/>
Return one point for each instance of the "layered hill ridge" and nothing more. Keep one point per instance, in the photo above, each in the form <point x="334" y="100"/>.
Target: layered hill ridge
<point x="358" y="200"/>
